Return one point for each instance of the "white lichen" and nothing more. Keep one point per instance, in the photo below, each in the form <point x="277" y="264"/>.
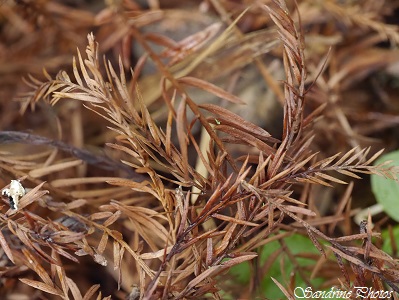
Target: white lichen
<point x="14" y="193"/>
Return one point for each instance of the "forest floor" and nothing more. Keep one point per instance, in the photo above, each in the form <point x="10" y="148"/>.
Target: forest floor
<point x="208" y="149"/>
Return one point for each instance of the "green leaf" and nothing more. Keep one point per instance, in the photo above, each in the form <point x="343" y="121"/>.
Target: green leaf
<point x="297" y="244"/>
<point x="386" y="191"/>
<point x="387" y="245"/>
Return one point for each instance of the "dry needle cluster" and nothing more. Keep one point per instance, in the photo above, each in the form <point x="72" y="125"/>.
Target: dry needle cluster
<point x="185" y="140"/>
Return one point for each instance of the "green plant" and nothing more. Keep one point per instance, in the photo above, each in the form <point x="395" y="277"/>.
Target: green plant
<point x="386" y="189"/>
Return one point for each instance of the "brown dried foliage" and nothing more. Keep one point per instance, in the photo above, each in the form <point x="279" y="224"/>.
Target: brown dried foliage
<point x="185" y="187"/>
